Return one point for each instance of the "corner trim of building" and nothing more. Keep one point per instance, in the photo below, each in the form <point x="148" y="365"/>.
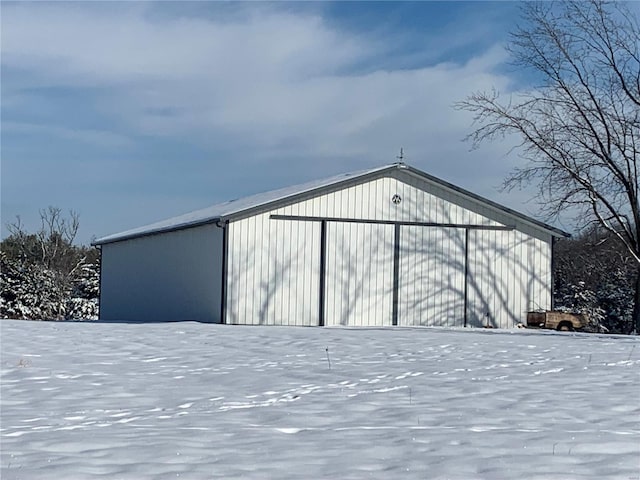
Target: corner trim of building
<point x="99" y="247"/>
<point x="396" y="274"/>
<point x="323" y="273"/>
<point x="466" y="277"/>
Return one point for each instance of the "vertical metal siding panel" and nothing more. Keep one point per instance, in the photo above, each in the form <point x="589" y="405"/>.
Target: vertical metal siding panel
<point x="262" y="250"/>
<point x="234" y="290"/>
<point x="341" y="252"/>
<point x="388" y="259"/>
<point x="331" y="267"/>
<point x="247" y="245"/>
<point x="289" y="298"/>
<point x="256" y="246"/>
<point x="301" y="273"/>
<point x="281" y="304"/>
<point x="351" y="207"/>
<point x="355" y="271"/>
<point x="273" y="314"/>
<point x="293" y="262"/>
<point x="531" y="289"/>
<point x="242" y="272"/>
<point x="360" y="277"/>
<point x="446" y="300"/>
<point x="368" y="255"/>
<point x="417" y="197"/>
<point x="244" y="264"/>
<point x="311" y="311"/>
<point x="516" y="273"/>
<point x="391" y="191"/>
<point x="360" y="263"/>
<point x="408" y="201"/>
<point x="548" y="279"/>
<point x="266" y="314"/>
<point x="384" y="264"/>
<point x="461" y="276"/>
<point x="332" y="203"/>
<point x="471" y="268"/>
<point x="475" y="299"/>
<point x="379" y="194"/>
<point x="296" y="276"/>
<point x="312" y="258"/>
<point x="331" y="280"/>
<point x="410" y="274"/>
<point x="229" y="284"/>
<point x="394" y="210"/>
<point x="504" y="277"/>
<point x="525" y="273"/>
<point x="281" y="287"/>
<point x="238" y="273"/>
<point x="403" y="267"/>
<point x="432" y="264"/>
<point x="502" y="314"/>
<point x="359" y="206"/>
<point x="517" y="290"/>
<point x="495" y="281"/>
<point x="507" y="273"/>
<point x="422" y="210"/>
<point x="385" y="193"/>
<point x="338" y="248"/>
<point x="425" y="314"/>
<point x="252" y="270"/>
<point x="372" y="200"/>
<point x="304" y="271"/>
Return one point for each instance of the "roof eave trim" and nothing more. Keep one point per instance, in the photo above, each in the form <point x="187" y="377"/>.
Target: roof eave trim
<point x="531" y="221"/>
<point x="172" y="228"/>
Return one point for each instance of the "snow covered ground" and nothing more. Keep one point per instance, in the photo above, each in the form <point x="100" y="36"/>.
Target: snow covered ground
<point x="198" y="401"/>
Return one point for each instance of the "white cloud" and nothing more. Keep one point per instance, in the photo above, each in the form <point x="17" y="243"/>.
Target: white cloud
<point x="266" y="83"/>
<point x="100" y="138"/>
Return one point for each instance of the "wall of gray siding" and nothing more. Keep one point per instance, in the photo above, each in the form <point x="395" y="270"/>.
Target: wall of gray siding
<point x="273" y="269"/>
<point x="165" y="277"/>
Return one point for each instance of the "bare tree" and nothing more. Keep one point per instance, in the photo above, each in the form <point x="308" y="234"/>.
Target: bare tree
<point x="48" y="266"/>
<point x="52" y="245"/>
<point x="579" y="128"/>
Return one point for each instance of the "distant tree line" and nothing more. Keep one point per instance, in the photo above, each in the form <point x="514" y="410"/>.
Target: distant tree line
<point x="44" y="275"/>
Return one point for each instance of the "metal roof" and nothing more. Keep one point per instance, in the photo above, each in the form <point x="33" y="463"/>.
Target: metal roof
<point x="247" y="206"/>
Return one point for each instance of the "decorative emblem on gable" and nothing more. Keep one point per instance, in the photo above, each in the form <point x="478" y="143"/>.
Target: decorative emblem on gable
<point x="396" y="199"/>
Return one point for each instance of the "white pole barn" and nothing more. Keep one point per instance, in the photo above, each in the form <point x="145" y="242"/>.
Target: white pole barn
<point x="382" y="247"/>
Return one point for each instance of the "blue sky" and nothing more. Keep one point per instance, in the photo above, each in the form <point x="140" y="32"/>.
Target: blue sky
<point x="130" y="113"/>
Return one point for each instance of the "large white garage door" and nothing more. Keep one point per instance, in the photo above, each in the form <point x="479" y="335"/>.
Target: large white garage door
<point x="359" y="274"/>
<point x="431" y="276"/>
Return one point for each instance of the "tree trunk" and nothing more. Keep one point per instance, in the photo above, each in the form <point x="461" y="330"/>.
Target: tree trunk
<point x="636" y="306"/>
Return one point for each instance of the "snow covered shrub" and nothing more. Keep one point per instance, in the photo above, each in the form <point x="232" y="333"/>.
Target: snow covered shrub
<point x="44" y="276"/>
<point x="29" y="291"/>
<point x="594" y="275"/>
<point x="579" y="299"/>
<point x="85" y="292"/>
